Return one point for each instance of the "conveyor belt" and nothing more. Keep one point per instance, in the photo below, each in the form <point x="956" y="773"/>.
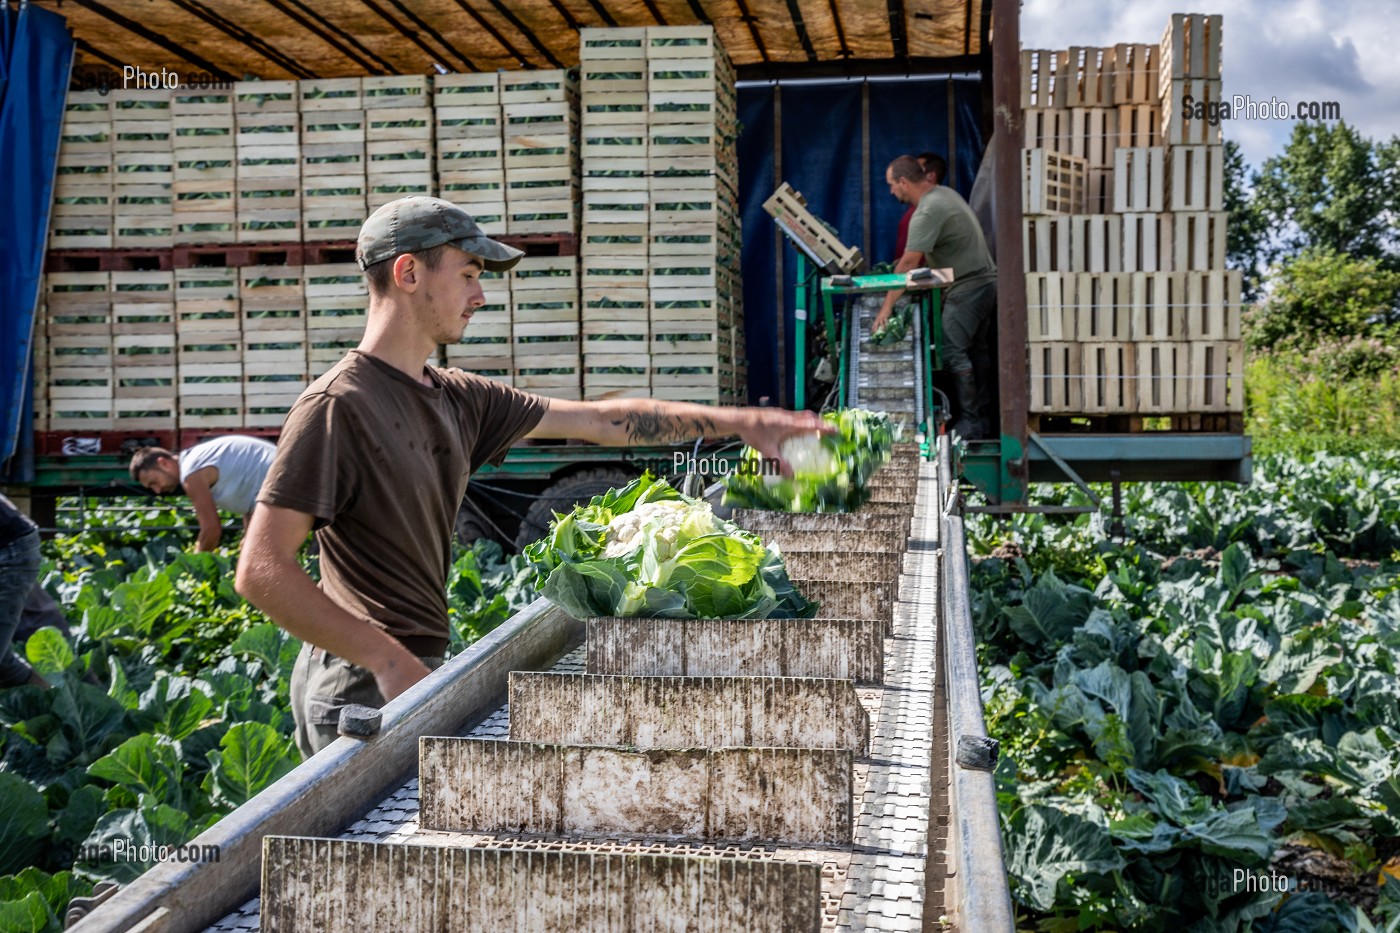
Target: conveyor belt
<point x="786" y="821"/>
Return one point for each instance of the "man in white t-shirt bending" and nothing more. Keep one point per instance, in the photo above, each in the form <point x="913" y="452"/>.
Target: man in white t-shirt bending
<point x="223" y="473"/>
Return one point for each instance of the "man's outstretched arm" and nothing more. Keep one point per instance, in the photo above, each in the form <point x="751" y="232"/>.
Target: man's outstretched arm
<point x="271" y="578"/>
<point x="633" y="422"/>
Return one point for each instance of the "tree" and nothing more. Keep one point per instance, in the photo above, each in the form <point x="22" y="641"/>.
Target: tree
<point x="1332" y="189"/>
<point x="1247" y="230"/>
<point x="1322" y="296"/>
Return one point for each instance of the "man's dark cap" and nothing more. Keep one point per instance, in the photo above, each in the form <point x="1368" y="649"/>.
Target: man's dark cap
<point x="411" y="225"/>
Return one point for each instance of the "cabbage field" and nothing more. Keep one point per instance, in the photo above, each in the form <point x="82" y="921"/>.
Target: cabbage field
<point x="1200" y="724"/>
<point x="169" y="704"/>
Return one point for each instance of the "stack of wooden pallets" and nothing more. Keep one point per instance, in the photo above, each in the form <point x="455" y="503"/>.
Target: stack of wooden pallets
<point x="539" y="122"/>
<point x="205" y="166"/>
<point x="273" y="344"/>
<point x="1130" y="308"/>
<point x="208" y="348"/>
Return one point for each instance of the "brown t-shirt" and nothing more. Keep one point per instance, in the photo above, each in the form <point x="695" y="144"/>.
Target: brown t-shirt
<point x="382" y="463"/>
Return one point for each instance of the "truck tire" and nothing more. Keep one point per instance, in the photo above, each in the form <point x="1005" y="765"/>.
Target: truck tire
<point x="563" y="496"/>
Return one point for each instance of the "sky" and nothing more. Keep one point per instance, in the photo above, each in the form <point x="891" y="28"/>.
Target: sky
<point x="1295" y="50"/>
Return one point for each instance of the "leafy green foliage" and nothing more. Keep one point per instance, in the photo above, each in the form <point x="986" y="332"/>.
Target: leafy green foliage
<point x="830" y="472"/>
<point x="169" y="704"/>
<point x="1321" y="296"/>
<point x="647" y="550"/>
<point x="1177" y="708"/>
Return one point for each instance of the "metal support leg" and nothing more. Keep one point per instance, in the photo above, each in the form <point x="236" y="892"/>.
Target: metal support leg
<point x="1116" y="528"/>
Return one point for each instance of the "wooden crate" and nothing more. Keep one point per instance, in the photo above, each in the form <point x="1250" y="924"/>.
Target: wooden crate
<point x="621" y="141"/>
<point x="615" y="375"/>
<point x="1212" y="304"/>
<point x="1046" y="128"/>
<point x="1138" y="179"/>
<point x="1135" y="70"/>
<point x="396" y="91"/>
<point x="1147" y="242"/>
<point x="616" y="307"/>
<point x="1164" y="380"/>
<point x="547" y="273"/>
<point x="694" y="271"/>
<point x="1198" y="241"/>
<point x="1197" y="178"/>
<point x="1102" y="307"/>
<point x="1050" y="306"/>
<point x="481" y="89"/>
<point x="400" y="123"/>
<point x="205" y="211"/>
<point x="1157" y="313"/>
<point x="337" y="296"/>
<point x="697" y="203"/>
<point x="1040" y="77"/>
<point x="604" y="271"/>
<point x="1110" y="384"/>
<point x="1202" y="96"/>
<point x="1052" y="182"/>
<point x="600" y="109"/>
<point x="272" y="298"/>
<point x="331" y="94"/>
<point x="78" y="303"/>
<point x="626" y="202"/>
<point x="141" y="120"/>
<point x="1139" y="125"/>
<point x="1217" y="377"/>
<point x="269" y="209"/>
<point x="1093" y="135"/>
<point x="1098" y="191"/>
<point x="206" y="301"/>
<point x="1190" y="47"/>
<point x="280" y="96"/>
<point x="625" y="43"/>
<point x="1056" y="378"/>
<point x="326" y="347"/>
<point x="333" y="172"/>
<point x="485" y="347"/>
<point x="1086" y="76"/>
<point x="555" y="85"/>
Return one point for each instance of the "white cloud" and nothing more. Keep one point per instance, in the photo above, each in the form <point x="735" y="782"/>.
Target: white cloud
<point x="1295" y="50"/>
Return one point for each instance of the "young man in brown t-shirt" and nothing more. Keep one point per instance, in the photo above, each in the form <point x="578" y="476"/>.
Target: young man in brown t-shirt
<point x="375" y="458"/>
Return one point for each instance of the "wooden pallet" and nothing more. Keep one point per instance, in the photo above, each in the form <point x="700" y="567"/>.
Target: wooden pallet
<point x="1135" y="70"/>
<point x="1074" y="243"/>
<point x="1198" y="241"/>
<point x="1147" y="242"/>
<point x="1052" y="182"/>
<point x="1056" y="383"/>
<point x="1085" y="77"/>
<point x="1109" y="383"/>
<point x="1138" y="179"/>
<point x="1196" y="181"/>
<point x="1093" y="135"/>
<point x="1046" y="128"/>
<point x="1139" y="125"/>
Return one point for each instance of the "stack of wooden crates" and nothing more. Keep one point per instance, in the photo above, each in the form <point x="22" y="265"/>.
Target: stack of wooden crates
<point x="165" y="312"/>
<point x="507" y="151"/>
<point x="1130" y="308"/>
<point x="662" y="314"/>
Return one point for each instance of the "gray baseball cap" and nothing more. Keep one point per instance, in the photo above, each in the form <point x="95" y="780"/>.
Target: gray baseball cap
<point x="416" y="223"/>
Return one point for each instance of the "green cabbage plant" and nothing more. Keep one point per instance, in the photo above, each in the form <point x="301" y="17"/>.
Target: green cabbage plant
<point x="647" y="550"/>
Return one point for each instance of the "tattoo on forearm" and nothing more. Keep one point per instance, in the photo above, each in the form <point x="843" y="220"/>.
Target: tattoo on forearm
<point x="657" y="427"/>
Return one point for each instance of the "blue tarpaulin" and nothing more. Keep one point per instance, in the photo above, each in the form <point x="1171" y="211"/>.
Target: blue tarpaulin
<point x="823" y="136"/>
<point x="36" y="57"/>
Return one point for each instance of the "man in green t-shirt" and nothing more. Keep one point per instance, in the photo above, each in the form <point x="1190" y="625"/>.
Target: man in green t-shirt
<point x="945" y="234"/>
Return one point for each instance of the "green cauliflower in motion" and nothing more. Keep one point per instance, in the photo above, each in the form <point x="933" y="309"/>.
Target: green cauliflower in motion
<point x="647" y="550"/>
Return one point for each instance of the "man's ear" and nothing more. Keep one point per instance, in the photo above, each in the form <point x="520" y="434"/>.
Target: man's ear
<point x="406" y="272"/>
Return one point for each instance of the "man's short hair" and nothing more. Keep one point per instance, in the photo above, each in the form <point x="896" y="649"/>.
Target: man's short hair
<point x="934" y="164"/>
<point x="381" y="274"/>
<point x="907" y="167"/>
<point x="145" y="459"/>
